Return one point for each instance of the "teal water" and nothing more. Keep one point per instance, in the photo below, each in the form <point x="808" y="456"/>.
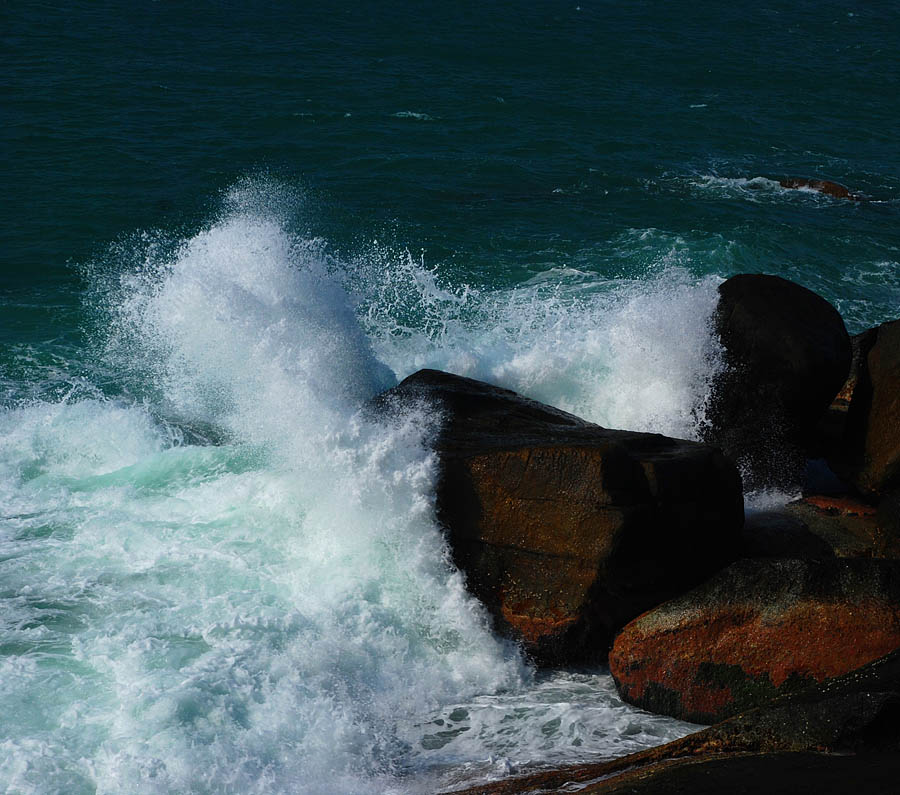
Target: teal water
<point x="225" y="227"/>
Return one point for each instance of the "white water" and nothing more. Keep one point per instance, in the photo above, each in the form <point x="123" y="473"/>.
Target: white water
<point x="276" y="612"/>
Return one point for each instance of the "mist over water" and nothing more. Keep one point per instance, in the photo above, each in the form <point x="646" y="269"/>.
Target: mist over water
<point x="221" y="578"/>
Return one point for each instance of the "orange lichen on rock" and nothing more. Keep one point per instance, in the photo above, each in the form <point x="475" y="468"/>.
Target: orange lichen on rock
<point x="723" y="649"/>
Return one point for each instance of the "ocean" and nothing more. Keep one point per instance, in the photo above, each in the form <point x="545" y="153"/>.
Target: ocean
<point x="226" y="226"/>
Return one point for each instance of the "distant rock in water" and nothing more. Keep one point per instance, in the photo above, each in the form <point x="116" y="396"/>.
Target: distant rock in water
<point x="787" y="353"/>
<point x="566" y="530"/>
<point x="825" y="186"/>
<point x="758" y="629"/>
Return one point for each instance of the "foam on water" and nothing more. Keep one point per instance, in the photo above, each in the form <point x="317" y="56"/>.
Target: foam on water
<point x="276" y="612"/>
<point x="745" y="187"/>
<point x="411" y="114"/>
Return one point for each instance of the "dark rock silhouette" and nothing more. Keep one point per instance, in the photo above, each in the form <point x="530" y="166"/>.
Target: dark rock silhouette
<point x="869" y="453"/>
<point x="787" y="354"/>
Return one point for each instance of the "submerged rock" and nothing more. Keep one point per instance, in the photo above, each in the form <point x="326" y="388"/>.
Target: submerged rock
<point x="826" y="186"/>
<point x="758" y="629"/>
<point x="566" y="530"/>
<point x="787" y="354"/>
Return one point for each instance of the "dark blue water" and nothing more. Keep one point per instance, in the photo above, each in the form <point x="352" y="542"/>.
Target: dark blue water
<point x="225" y="225"/>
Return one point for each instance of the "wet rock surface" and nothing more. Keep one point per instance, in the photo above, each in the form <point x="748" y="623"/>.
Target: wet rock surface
<point x="756" y="630"/>
<point x="566" y="530"/>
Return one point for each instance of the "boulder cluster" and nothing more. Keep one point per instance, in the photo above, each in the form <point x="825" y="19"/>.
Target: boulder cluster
<point x="591" y="545"/>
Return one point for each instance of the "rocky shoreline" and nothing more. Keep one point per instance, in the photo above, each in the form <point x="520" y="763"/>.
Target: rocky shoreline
<point x="828" y="738"/>
<point x="589" y="545"/>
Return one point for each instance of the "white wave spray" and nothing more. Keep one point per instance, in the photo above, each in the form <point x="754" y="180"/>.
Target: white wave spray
<point x="633" y="354"/>
<point x="276" y="612"/>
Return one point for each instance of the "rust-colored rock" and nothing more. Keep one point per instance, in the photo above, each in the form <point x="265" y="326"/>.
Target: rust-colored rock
<point x="566" y="530"/>
<point x="787" y="354"/>
<point x="758" y="629"/>
<point x="870" y="454"/>
<point x="826" y="186"/>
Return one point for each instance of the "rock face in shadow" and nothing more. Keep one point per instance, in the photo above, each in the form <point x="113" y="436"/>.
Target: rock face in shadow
<point x="775" y="534"/>
<point x="850" y="527"/>
<point x="566" y="530"/>
<point x="758" y="629"/>
<point x="869" y="456"/>
<point x="787" y="354"/>
<point x="833" y="737"/>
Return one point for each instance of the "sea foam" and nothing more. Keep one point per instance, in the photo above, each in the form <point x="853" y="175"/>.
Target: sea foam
<point x="221" y="578"/>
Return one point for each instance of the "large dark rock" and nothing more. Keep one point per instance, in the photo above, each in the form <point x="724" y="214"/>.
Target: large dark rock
<point x="832" y="737"/>
<point x="869" y="457"/>
<point x="758" y="629"/>
<point x="787" y="354"/>
<point x="566" y="530"/>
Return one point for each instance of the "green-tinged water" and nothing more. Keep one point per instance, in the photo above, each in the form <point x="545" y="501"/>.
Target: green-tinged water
<point x="225" y="226"/>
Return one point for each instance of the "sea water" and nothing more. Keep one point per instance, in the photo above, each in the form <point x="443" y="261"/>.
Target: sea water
<point x="226" y="228"/>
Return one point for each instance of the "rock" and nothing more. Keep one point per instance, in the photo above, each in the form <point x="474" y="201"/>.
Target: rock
<point x="787" y="353"/>
<point x="825" y="186"/>
<point x="758" y="629"/>
<point x="566" y="530"/>
<point x="869" y="458"/>
<point x="828" y="439"/>
<point x="777" y="748"/>
<point x="851" y="528"/>
<point x="776" y="773"/>
<point x="775" y="534"/>
<point x="773" y="774"/>
<point x="860" y="345"/>
<point x="888" y="519"/>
